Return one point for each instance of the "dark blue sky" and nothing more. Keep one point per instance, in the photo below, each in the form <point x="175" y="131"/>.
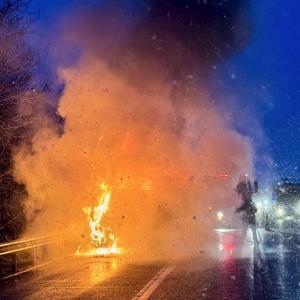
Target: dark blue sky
<point x="264" y="79"/>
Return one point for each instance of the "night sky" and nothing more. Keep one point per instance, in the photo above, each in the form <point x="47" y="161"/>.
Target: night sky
<point x="263" y="79"/>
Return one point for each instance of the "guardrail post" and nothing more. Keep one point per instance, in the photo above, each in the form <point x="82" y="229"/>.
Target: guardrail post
<point x="44" y="253"/>
<point x="34" y="256"/>
<point x="14" y="263"/>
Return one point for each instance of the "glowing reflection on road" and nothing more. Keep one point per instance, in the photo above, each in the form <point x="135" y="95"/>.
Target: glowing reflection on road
<point x="100" y="271"/>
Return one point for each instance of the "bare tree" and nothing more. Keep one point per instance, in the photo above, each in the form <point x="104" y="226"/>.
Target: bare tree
<point x="18" y="97"/>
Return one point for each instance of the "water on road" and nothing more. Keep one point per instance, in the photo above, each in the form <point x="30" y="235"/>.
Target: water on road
<point x="271" y="271"/>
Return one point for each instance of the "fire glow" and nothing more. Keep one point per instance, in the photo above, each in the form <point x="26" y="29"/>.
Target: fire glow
<point x="103" y="240"/>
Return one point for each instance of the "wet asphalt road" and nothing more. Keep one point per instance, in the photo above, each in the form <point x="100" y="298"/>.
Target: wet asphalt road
<point x="84" y="278"/>
<point x="271" y="272"/>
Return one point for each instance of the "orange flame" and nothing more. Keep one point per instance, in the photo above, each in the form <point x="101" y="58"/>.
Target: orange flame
<point x="102" y="237"/>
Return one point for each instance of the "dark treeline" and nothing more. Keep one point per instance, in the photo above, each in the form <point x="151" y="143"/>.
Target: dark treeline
<point x="17" y="62"/>
<point x="22" y="107"/>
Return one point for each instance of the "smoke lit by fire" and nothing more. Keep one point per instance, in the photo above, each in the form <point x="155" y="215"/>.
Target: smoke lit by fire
<point x="159" y="142"/>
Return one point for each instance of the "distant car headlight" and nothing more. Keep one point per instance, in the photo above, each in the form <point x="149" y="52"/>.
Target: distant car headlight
<point x="280" y="212"/>
<point x="220" y="215"/>
<point x="258" y="205"/>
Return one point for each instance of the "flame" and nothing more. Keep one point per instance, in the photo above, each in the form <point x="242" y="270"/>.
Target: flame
<point x="102" y="237"/>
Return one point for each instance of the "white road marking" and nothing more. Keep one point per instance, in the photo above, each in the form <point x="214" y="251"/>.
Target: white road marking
<point x="151" y="286"/>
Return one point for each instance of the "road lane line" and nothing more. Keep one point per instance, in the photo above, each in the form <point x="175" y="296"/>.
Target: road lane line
<point x="152" y="285"/>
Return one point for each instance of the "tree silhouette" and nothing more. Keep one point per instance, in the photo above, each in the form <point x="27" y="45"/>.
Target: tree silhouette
<point x="18" y="104"/>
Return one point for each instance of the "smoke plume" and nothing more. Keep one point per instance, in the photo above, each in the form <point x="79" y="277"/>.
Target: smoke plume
<point x="137" y="117"/>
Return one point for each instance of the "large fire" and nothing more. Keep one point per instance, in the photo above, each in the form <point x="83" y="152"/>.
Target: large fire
<point x="102" y="238"/>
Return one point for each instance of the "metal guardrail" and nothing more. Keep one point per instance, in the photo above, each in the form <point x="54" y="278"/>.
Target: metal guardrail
<point x="25" y="244"/>
<point x="36" y="249"/>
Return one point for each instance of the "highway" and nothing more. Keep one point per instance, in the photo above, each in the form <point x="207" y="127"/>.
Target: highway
<point x="270" y="272"/>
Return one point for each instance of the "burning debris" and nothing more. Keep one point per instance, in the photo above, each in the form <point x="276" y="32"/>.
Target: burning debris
<point x="102" y="238"/>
